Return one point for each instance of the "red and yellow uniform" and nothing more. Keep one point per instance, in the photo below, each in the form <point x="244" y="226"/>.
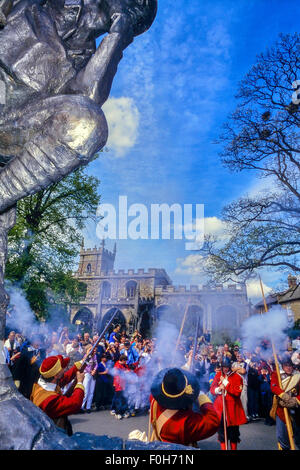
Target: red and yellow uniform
<point x="289" y="383"/>
<point x="48" y="395"/>
<point x="174" y="397"/>
<point x="186" y="426"/>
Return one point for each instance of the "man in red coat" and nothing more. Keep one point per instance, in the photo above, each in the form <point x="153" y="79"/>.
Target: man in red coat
<point x="227" y="386"/>
<point x="178" y="413"/>
<point x="47" y="394"/>
<point x="286" y="397"/>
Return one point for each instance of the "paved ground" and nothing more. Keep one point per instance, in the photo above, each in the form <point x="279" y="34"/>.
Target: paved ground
<point x="254" y="436"/>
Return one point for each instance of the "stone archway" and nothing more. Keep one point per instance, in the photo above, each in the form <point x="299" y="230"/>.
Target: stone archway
<point x="144" y="324"/>
<point x="83" y="319"/>
<point x="224" y="321"/>
<point x="119" y="319"/>
<point x="194" y="313"/>
<point x="173" y="315"/>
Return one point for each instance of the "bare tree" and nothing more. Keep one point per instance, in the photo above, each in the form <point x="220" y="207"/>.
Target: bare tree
<point x="262" y="135"/>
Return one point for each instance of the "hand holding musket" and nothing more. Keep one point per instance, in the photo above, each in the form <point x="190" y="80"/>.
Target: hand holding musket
<point x="288" y="401"/>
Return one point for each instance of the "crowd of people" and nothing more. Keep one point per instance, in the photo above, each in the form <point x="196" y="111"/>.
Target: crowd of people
<point x="118" y="373"/>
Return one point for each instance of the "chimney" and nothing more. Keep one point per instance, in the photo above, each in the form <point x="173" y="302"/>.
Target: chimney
<point x="292" y="281"/>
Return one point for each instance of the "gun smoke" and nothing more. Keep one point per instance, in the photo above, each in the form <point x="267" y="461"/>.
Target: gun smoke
<point x="270" y="327"/>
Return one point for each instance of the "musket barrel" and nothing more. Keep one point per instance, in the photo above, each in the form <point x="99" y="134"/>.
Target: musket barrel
<point x="100" y="337"/>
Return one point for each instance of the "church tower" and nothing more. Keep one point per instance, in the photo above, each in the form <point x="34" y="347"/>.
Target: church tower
<point x="96" y="261"/>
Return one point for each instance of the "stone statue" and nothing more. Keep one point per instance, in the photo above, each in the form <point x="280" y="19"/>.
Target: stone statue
<point x="55" y="82"/>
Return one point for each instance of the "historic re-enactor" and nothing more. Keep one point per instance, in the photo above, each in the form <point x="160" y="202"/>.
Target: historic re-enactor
<point x="47" y="393"/>
<point x="286" y="397"/>
<point x="227" y="386"/>
<point x="179" y="413"/>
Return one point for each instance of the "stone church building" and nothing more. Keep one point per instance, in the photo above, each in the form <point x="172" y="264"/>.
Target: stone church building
<point x="145" y="297"/>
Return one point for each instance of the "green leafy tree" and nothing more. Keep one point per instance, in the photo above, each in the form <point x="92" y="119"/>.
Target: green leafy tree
<point x="46" y="238"/>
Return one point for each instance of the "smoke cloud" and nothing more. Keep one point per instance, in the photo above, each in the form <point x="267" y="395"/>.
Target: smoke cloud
<point x="270" y="326"/>
<point x="20" y="316"/>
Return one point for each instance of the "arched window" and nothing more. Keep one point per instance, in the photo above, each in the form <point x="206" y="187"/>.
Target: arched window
<point x="89" y="268"/>
<point x="131" y="287"/>
<point x="106" y="290"/>
<point x="224" y="318"/>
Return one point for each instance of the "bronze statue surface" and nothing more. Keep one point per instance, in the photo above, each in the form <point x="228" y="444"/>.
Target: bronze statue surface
<point x="55" y="82"/>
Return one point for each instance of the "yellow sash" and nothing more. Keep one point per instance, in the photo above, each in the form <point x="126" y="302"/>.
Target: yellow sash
<point x="38" y="394"/>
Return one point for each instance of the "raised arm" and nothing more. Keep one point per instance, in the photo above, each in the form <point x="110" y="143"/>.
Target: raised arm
<point x="95" y="80"/>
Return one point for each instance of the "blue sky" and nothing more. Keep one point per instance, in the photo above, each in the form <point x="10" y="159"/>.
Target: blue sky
<point x="174" y="88"/>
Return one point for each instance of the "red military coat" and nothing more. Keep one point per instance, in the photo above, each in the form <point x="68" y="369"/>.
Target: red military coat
<point x="54" y="403"/>
<point x="186" y="426"/>
<point x="235" y="415"/>
<point x="276" y="390"/>
<point x="119" y="378"/>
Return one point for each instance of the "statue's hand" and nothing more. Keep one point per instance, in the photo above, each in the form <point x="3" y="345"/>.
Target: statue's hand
<point x="121" y="24"/>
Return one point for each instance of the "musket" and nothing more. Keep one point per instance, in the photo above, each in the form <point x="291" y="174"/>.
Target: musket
<point x="192" y="364"/>
<point x="91" y="352"/>
<point x="181" y="329"/>
<point x="286" y="413"/>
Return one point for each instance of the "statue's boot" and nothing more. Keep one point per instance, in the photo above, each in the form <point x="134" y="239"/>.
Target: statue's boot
<point x="61" y="139"/>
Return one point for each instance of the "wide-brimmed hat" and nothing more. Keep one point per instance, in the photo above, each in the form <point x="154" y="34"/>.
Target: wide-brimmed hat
<point x="52" y="365"/>
<point x="175" y="388"/>
<point x="286" y="360"/>
<point x="225" y="362"/>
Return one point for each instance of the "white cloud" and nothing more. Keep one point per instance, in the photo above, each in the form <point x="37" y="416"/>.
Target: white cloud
<point x="123" y="119"/>
<point x="191" y="265"/>
<point x="254" y="290"/>
<point x="211" y="226"/>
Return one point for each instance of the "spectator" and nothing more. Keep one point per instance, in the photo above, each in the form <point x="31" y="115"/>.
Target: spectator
<point x="54" y="348"/>
<point x="203" y="372"/>
<point x="64" y="335"/>
<point x="214" y="369"/>
<point x="226" y="352"/>
<point x="133" y="354"/>
<point x="12" y="355"/>
<point x="87" y="341"/>
<point x="32" y="356"/>
<point x="100" y="349"/>
<point x="296" y="344"/>
<point x="89" y="381"/>
<point x="112" y="354"/>
<point x="295" y="358"/>
<point x="119" y="406"/>
<point x="266" y="394"/>
<point x="11" y="344"/>
<point x="253" y="389"/>
<point x="104" y="390"/>
<point x="75" y="353"/>
<point x="74" y="345"/>
<point x="114" y="336"/>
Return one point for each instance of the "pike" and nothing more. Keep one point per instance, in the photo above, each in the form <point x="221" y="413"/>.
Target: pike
<point x="89" y="355"/>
